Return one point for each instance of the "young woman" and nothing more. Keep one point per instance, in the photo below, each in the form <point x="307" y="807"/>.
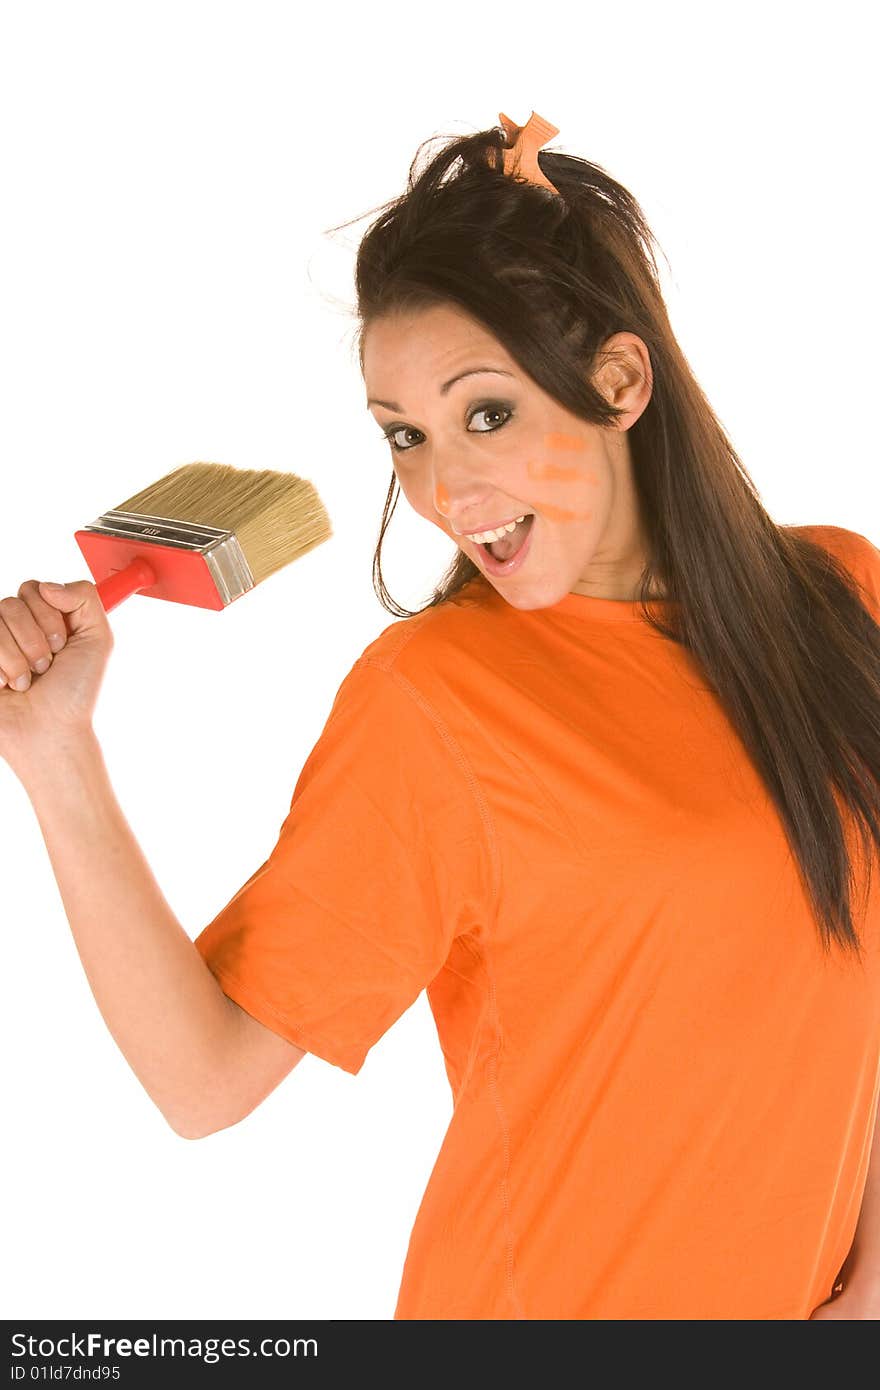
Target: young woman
<point x="611" y="798"/>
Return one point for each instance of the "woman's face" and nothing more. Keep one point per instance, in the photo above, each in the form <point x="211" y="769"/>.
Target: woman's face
<point x="492" y="447"/>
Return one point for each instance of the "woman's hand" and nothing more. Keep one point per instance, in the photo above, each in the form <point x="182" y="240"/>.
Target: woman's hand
<point x="62" y="699"/>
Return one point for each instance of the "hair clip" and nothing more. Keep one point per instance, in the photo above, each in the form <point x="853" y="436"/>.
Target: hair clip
<point x="521" y="158"/>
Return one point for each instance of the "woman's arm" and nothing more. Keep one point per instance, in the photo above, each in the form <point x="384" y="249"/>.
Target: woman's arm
<point x="176" y="1028"/>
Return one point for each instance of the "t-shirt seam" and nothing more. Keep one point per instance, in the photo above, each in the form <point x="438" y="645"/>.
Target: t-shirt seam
<point x="494" y="859"/>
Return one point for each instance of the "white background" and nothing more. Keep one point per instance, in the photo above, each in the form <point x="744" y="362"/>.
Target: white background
<point x="170" y="294"/>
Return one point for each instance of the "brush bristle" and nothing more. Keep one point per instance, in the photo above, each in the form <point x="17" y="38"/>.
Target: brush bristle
<point x="276" y="517"/>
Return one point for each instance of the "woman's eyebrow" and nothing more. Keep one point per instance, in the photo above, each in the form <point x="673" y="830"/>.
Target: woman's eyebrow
<point x="472" y="371"/>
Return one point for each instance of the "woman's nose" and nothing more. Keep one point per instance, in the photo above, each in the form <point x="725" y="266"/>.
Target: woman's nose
<point x="462" y="509"/>
<point x="456" y="492"/>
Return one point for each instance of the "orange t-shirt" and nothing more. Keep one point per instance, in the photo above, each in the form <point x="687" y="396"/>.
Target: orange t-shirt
<point x="664" y="1092"/>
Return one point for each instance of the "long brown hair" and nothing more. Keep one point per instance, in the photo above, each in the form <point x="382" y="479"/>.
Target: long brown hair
<point x="777" y="623"/>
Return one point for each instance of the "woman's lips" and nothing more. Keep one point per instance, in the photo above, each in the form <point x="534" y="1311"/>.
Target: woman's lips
<point x="502" y="568"/>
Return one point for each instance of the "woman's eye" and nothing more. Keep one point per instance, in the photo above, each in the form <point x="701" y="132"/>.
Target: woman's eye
<point x="401" y="429"/>
<point x="493" y="408"/>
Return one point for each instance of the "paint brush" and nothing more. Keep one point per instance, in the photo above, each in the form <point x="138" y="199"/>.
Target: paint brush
<point x="204" y="535"/>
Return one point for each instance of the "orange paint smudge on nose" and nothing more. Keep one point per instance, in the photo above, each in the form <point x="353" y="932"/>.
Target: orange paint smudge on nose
<point x="559" y="513"/>
<point x="564" y="441"/>
<point x="441" y="498"/>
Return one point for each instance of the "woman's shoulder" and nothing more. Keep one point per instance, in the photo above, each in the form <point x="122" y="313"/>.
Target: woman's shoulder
<point x="839" y="538"/>
<point x="855" y="551"/>
<point x="433" y="635"/>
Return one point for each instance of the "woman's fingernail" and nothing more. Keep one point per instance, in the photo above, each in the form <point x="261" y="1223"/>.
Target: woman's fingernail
<point x="42" y="665"/>
<point x="22" y="683"/>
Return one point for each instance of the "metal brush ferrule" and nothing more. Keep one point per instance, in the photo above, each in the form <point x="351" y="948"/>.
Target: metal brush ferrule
<point x="223" y="554"/>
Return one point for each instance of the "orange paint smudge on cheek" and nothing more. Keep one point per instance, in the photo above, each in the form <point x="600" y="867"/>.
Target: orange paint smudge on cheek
<point x="564" y="441"/>
<point x="560" y="472"/>
<point x="441" y="498"/>
<point x="554" y="472"/>
<point x="560" y="514"/>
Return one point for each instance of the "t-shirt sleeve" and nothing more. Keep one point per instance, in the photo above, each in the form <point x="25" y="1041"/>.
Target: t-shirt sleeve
<point x="380" y="864"/>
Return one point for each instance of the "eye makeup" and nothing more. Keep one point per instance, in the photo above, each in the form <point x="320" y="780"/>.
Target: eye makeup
<point x="485" y="406"/>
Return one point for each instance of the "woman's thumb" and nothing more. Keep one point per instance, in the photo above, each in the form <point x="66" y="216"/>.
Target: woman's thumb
<point x="61" y="595"/>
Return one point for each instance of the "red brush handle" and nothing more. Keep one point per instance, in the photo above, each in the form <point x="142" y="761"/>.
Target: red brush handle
<point x="121" y="585"/>
<point x="125" y="565"/>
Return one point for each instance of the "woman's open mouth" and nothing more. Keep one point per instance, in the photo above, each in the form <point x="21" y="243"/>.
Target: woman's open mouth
<point x="503" y="556"/>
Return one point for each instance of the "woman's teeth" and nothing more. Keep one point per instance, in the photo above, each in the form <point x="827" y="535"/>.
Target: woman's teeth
<point x="486" y="537"/>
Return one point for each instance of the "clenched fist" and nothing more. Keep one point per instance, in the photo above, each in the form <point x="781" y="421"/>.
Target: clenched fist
<point x="54" y="648"/>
